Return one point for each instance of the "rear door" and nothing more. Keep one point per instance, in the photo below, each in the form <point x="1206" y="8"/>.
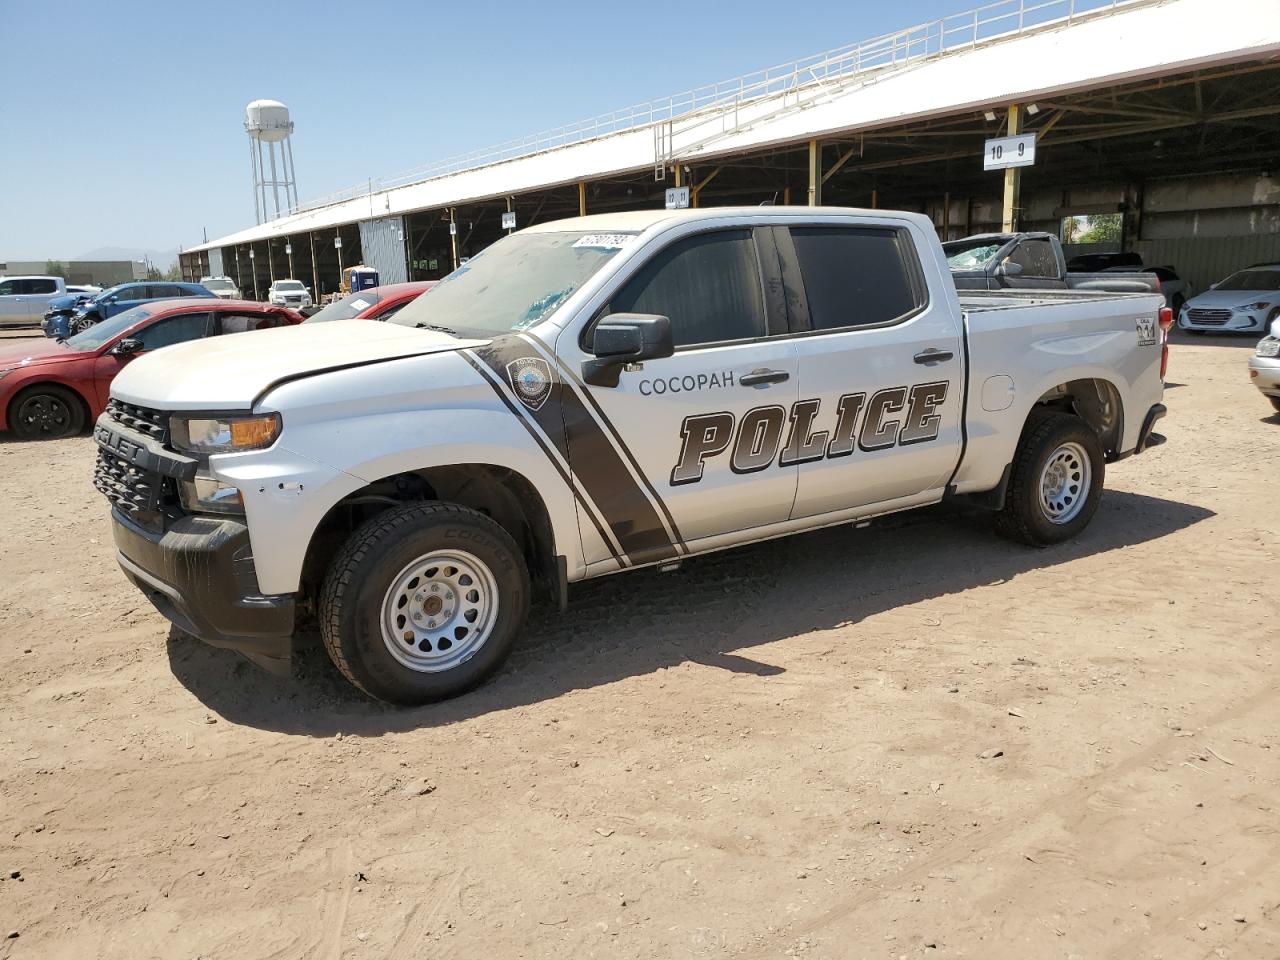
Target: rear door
<point x="13" y="309"/>
<point x="37" y="292"/>
<point x="881" y="369"/>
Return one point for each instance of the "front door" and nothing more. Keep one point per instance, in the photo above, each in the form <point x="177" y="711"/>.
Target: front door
<point x="881" y="370"/>
<point x="697" y="434"/>
<point x="162" y="333"/>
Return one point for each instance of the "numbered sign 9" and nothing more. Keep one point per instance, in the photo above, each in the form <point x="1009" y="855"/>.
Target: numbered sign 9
<point x="1004" y="152"/>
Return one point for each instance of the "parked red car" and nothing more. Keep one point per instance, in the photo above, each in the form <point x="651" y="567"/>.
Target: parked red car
<point x="54" y="388"/>
<point x="376" y="303"/>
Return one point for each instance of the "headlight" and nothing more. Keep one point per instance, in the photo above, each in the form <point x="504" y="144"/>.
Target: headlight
<point x="207" y="495"/>
<point x="6" y="371"/>
<point x="205" y="435"/>
<point x="1260" y="305"/>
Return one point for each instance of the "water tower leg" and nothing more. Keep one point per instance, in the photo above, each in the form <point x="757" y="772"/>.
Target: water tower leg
<point x="293" y="175"/>
<point x="275" y="180"/>
<point x="253" y="167"/>
<point x="262" y="181"/>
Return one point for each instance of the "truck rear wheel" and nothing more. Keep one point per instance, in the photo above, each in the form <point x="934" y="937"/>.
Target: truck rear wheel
<point x="423" y="602"/>
<point x="1056" y="481"/>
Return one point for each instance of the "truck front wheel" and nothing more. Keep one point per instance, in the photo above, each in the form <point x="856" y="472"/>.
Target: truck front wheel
<point x="1056" y="481"/>
<point x="423" y="602"/>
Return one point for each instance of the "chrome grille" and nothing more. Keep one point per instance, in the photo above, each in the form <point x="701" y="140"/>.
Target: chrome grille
<point x="143" y="420"/>
<point x="1216" y="318"/>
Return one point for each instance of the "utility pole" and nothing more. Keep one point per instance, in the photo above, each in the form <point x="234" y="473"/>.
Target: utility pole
<point x="1012" y="176"/>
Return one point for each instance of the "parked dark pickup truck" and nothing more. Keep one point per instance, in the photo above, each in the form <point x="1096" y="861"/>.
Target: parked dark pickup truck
<point x="1029" y="261"/>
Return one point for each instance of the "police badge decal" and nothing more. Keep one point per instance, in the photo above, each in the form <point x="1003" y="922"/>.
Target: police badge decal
<point x="531" y="379"/>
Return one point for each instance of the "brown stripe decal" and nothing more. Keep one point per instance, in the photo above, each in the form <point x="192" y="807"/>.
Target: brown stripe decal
<point x="596" y="463"/>
<point x="515" y="412"/>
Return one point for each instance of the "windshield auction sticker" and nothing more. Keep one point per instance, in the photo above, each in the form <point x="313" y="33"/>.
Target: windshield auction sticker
<point x="605" y="241"/>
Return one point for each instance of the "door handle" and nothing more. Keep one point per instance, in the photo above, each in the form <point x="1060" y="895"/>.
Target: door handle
<point x="933" y="355"/>
<point x="763" y="377"/>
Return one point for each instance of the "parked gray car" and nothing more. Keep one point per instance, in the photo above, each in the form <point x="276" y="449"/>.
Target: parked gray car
<point x="1246" y="302"/>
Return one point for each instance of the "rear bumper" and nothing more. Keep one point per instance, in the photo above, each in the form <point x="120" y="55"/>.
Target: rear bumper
<point x="200" y="575"/>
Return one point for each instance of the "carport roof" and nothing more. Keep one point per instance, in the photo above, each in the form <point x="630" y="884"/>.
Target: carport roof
<point x="1138" y="40"/>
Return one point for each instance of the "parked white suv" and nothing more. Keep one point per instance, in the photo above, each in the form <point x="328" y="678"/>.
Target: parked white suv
<point x="23" y="300"/>
<point x="289" y="293"/>
<point x="224" y="288"/>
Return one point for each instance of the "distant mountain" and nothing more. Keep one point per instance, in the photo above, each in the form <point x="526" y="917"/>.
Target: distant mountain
<point x="160" y="258"/>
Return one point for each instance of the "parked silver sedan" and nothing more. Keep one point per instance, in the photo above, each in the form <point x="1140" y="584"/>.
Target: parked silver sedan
<point x="1248" y="300"/>
<point x="1264" y="366"/>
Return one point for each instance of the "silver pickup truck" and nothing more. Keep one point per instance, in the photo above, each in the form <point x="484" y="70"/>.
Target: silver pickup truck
<point x="593" y="396"/>
<point x="1031" y="261"/>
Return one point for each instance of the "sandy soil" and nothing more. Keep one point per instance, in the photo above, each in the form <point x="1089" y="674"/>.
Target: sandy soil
<point x="773" y="752"/>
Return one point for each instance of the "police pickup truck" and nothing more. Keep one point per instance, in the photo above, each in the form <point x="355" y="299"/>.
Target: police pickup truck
<point x="597" y="395"/>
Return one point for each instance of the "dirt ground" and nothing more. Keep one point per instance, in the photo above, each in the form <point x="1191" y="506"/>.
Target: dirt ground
<point x="773" y="752"/>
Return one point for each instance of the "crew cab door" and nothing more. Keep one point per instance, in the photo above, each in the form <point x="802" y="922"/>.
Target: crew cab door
<point x="881" y="368"/>
<point x="697" y="432"/>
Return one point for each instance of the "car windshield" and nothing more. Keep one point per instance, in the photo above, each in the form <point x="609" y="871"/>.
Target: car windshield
<point x="514" y="284"/>
<point x="970" y="254"/>
<point x="218" y="284"/>
<point x="1251" y="280"/>
<point x="347" y="307"/>
<point x="100" y="333"/>
<point x="289" y="285"/>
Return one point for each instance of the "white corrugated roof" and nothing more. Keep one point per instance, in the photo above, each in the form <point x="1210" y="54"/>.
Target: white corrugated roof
<point x="1140" y="41"/>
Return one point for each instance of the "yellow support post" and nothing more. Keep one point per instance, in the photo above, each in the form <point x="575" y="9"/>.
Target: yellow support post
<point x="1012" y="177"/>
<point x="582" y="198"/>
<point x="815" y="174"/>
<point x="679" y="175"/>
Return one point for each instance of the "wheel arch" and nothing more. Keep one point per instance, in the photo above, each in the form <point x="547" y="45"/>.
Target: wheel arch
<point x="86" y="403"/>
<point x="503" y="494"/>
<point x="1095" y="400"/>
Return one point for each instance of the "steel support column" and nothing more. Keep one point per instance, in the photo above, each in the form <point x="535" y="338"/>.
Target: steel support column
<point x="815" y="174"/>
<point x="582" y="198"/>
<point x="1012" y="177"/>
<point x="453" y="235"/>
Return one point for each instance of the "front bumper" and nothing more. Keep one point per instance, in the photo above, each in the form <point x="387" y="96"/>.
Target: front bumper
<point x="199" y="573"/>
<point x="1265" y="374"/>
<point x="1236" y="322"/>
<point x="56" y="324"/>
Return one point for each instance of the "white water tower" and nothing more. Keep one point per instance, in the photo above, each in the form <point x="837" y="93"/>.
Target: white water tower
<point x="267" y="122"/>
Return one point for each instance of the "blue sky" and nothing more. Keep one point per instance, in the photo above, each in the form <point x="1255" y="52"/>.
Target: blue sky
<point x="125" y="117"/>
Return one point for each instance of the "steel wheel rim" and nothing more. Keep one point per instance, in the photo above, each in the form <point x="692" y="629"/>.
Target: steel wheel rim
<point x="1065" y="482"/>
<point x="439" y="611"/>
<point x="44" y="413"/>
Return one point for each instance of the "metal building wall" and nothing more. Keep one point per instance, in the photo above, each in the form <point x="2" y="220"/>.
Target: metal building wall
<point x="382" y="242"/>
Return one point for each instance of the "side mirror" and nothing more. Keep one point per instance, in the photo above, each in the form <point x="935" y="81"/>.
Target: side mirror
<point x="623" y="338"/>
<point x="1008" y="268"/>
<point x="126" y="347"/>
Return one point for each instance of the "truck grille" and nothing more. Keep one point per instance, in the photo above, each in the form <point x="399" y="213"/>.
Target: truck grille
<point x="1212" y="318"/>
<point x="144" y="420"/>
<point x="141" y="495"/>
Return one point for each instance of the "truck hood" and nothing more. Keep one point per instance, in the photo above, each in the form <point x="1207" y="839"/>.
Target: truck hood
<point x="229" y="373"/>
<point x="1233" y="298"/>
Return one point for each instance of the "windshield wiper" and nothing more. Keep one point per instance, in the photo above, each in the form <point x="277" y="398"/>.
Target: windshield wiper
<point x="437" y="328"/>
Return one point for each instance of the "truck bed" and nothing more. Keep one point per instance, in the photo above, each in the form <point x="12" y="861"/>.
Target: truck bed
<point x="978" y="301"/>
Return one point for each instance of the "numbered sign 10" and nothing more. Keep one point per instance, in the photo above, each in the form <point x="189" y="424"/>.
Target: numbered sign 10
<point x="1003" y="152"/>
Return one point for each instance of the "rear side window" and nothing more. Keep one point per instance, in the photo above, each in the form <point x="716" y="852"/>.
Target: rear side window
<point x="708" y="285"/>
<point x="1036" y="259"/>
<point x="40" y="285"/>
<point x="171" y="330"/>
<point x="228" y="323"/>
<point x="857" y="276"/>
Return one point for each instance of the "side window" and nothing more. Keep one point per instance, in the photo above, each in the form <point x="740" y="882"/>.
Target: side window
<point x="228" y="323"/>
<point x="129" y="294"/>
<point x="391" y="311"/>
<point x="8" y="288"/>
<point x="171" y="330"/>
<point x="857" y="276"/>
<point x="1036" y="259"/>
<point x="40" y="285"/>
<point x="709" y="285"/>
<point x="164" y="291"/>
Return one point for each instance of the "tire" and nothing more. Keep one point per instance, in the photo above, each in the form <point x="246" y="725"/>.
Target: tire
<point x="376" y="611"/>
<point x="1271" y="318"/>
<point x="1275" y="403"/>
<point x="81" y="324"/>
<point x="46" y="412"/>
<point x="1178" y="302"/>
<point x="1056" y="482"/>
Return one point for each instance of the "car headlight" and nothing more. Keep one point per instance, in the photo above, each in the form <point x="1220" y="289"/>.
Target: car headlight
<point x="6" y="371"/>
<point x="205" y="494"/>
<point x="1260" y="305"/>
<point x="206" y="435"/>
